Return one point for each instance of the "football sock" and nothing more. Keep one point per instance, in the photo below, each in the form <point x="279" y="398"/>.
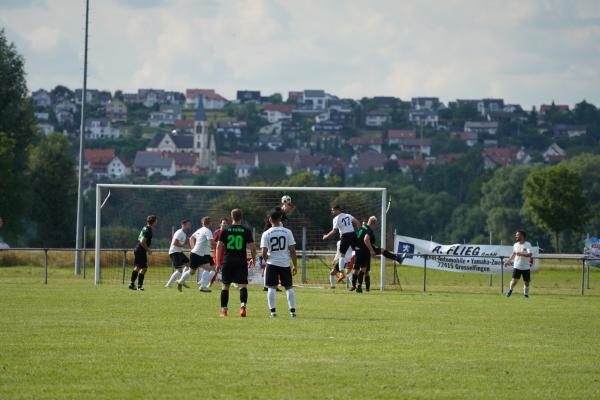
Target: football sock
<point x="332" y="280"/>
<point x="134" y="275"/>
<point x="271" y="298"/>
<point x="510" y="286"/>
<point x="204" y="279"/>
<point x="184" y="277"/>
<point x="526" y="290"/>
<point x="176" y="274"/>
<point x="341" y="262"/>
<point x="244" y="296"/>
<point x="368" y="282"/>
<point x="140" y="280"/>
<point x="211" y="275"/>
<point x="354" y="280"/>
<point x="360" y="278"/>
<point x="291" y="297"/>
<point x="224" y="298"/>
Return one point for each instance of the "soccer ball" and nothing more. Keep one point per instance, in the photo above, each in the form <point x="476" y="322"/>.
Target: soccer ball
<point x="286" y="199"/>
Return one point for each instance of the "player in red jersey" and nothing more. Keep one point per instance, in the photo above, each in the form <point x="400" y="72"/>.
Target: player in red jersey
<point x="224" y="224"/>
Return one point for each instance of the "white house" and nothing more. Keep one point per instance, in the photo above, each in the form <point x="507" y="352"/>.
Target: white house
<point x="167" y="116"/>
<point x="424" y="117"/>
<point x="482" y="127"/>
<point x="209" y="97"/>
<point x="376" y="119"/>
<point x="117" y="169"/>
<point x="315" y="99"/>
<point x="101" y="128"/>
<point x="554" y="153"/>
<point x="277" y="112"/>
<point x="41" y="98"/>
<point x="46" y="128"/>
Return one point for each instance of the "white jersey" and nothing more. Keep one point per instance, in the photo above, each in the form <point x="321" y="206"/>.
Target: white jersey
<point x="521" y="262"/>
<point x="277" y="242"/>
<point x="181" y="237"/>
<point x="343" y="223"/>
<point x="347" y="256"/>
<point x="203" y="237"/>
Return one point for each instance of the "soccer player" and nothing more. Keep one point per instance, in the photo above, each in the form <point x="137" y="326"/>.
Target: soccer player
<point x="234" y="266"/>
<point x="336" y="269"/>
<point x="521" y="267"/>
<point x="201" y="242"/>
<point x="141" y="253"/>
<point x="366" y="250"/>
<point x="223" y="224"/>
<point x="278" y="248"/>
<point x="178" y="259"/>
<point x="346" y="225"/>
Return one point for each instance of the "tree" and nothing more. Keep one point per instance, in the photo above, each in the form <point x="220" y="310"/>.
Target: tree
<point x="54" y="185"/>
<point x="18" y="132"/>
<point x="554" y="198"/>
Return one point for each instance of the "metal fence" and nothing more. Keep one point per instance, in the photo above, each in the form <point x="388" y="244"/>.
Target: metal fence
<point x="57" y="263"/>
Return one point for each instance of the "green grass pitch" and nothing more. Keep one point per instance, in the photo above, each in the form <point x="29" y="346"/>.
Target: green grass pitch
<point x="69" y="339"/>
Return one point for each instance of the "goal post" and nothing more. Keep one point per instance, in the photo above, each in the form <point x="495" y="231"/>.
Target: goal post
<point x="266" y="197"/>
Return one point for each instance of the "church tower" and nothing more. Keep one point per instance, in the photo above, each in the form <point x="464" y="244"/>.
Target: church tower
<point x="204" y="143"/>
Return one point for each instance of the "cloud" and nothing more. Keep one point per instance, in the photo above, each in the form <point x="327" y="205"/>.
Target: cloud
<point x="527" y="52"/>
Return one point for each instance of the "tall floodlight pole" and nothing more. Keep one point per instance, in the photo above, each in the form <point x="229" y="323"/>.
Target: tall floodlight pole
<point x="79" y="233"/>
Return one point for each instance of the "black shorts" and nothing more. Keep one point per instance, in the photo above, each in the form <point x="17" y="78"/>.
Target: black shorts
<point x="348" y="240"/>
<point x="363" y="260"/>
<point x="235" y="271"/>
<point x="197" y="260"/>
<point x="274" y="275"/>
<point x="140" y="258"/>
<point x="525" y="273"/>
<point x="178" y="259"/>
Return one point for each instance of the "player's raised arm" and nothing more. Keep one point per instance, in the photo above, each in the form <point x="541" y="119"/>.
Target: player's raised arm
<point x="330" y="234"/>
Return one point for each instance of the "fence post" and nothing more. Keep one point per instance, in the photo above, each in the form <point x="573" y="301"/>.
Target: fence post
<point x="394" y="263"/>
<point x="582" y="275"/>
<point x="124" y="262"/>
<point x="502" y="275"/>
<point x="588" y="274"/>
<point x="425" y="273"/>
<point x="45" y="266"/>
<point x="84" y="247"/>
<point x="303" y="275"/>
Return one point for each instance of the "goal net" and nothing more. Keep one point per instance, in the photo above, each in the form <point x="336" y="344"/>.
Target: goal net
<point x="121" y="211"/>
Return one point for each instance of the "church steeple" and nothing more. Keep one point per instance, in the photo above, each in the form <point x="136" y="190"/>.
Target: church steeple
<point x="203" y="145"/>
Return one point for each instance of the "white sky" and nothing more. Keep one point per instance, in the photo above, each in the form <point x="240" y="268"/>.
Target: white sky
<point x="528" y="52"/>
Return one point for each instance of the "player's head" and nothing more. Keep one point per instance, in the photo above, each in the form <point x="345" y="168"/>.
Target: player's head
<point x="205" y="222"/>
<point x="151" y="220"/>
<point x="520" y="236"/>
<point x="372" y="221"/>
<point x="224" y="223"/>
<point x="275" y="216"/>
<point x="236" y="215"/>
<point x="336" y="209"/>
<point x="186" y="224"/>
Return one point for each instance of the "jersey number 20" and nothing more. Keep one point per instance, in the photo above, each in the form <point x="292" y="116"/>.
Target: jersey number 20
<point x="235" y="242"/>
<point x="278" y="243"/>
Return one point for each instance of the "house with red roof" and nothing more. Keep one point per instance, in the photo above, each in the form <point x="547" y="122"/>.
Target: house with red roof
<point x="210" y="99"/>
<point x="277" y="112"/>
<point x="494" y="157"/>
<point x="394" y="136"/>
<point x="364" y="143"/>
<point x="104" y="163"/>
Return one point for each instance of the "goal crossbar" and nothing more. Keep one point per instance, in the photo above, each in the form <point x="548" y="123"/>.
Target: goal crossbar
<point x="383" y="216"/>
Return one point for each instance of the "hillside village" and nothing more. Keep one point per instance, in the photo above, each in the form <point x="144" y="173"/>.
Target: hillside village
<point x="171" y="137"/>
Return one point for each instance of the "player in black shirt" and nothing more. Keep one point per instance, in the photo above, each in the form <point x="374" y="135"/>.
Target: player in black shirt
<point x="234" y="267"/>
<point x="366" y="250"/>
<point x="141" y="253"/>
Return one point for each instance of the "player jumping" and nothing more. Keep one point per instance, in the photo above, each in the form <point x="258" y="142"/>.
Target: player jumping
<point x="178" y="259"/>
<point x="278" y="248"/>
<point x="141" y="253"/>
<point x="366" y="250"/>
<point x="346" y="225"/>
<point x="335" y="270"/>
<point x="234" y="266"/>
<point x="201" y="242"/>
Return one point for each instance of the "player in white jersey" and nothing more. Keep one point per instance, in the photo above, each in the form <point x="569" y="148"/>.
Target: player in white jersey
<point x="336" y="269"/>
<point x="202" y="243"/>
<point x="178" y="259"/>
<point x="278" y="248"/>
<point x="347" y="226"/>
<point x="521" y="257"/>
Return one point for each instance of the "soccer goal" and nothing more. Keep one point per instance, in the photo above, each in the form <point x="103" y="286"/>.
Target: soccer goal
<point x="121" y="210"/>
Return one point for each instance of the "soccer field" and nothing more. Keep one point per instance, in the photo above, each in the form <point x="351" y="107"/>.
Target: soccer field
<point x="69" y="339"/>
